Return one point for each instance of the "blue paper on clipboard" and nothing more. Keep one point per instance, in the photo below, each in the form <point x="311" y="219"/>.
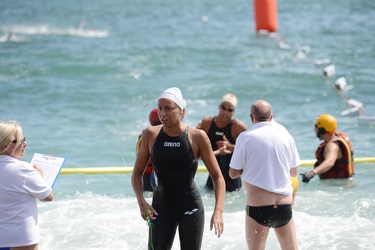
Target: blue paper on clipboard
<point x="50" y="164"/>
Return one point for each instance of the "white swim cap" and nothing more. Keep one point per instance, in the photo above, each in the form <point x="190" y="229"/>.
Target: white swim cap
<point x="175" y="95"/>
<point x="232" y="99"/>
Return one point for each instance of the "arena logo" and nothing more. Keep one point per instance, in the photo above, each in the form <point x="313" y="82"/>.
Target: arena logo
<point x="172" y="144"/>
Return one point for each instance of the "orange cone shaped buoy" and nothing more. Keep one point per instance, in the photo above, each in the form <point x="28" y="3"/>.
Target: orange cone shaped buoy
<point x="265" y="12"/>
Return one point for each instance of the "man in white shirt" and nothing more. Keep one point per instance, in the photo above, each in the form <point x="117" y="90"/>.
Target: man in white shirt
<point x="266" y="157"/>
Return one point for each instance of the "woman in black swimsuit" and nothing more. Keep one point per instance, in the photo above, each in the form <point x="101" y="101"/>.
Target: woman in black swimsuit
<point x="175" y="149"/>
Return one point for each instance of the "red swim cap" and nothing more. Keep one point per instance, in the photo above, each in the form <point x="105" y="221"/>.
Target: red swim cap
<point x="154" y="118"/>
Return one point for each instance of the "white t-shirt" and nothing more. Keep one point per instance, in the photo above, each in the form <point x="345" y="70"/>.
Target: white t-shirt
<point x="20" y="186"/>
<point x="266" y="153"/>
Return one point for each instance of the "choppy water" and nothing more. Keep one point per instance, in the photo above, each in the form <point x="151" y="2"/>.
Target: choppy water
<point x="86" y="93"/>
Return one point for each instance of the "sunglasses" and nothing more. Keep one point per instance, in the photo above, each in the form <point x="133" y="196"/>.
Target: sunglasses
<point x="155" y="123"/>
<point x="224" y="108"/>
<point x="22" y="141"/>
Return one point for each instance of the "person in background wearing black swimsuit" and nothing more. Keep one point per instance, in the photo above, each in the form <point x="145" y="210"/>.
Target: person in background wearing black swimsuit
<point x="175" y="149"/>
<point x="223" y="131"/>
<point x="148" y="175"/>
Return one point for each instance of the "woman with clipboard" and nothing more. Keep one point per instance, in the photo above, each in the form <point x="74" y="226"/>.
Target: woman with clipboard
<point x="20" y="185"/>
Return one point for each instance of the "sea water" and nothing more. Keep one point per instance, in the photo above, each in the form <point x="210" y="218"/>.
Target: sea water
<point x="82" y="76"/>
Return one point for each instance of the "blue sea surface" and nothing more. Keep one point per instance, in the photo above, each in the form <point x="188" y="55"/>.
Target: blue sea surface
<point x="82" y="76"/>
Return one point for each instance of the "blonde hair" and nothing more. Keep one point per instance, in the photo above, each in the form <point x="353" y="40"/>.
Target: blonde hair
<point x="9" y="131"/>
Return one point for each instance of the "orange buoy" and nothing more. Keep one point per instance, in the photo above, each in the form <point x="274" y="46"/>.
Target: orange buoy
<point x="265" y="12"/>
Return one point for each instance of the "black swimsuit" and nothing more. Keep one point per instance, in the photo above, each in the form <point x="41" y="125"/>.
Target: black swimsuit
<point x="271" y="216"/>
<point x="216" y="134"/>
<point x="176" y="198"/>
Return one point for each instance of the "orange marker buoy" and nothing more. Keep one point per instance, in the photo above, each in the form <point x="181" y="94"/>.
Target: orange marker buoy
<point x="265" y="12"/>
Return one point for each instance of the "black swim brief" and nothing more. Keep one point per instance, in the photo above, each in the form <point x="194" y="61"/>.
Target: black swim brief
<point x="271" y="216"/>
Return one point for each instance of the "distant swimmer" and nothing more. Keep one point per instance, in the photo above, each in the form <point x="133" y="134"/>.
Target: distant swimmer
<point x="80" y="31"/>
<point x="80" y="25"/>
<point x="8" y="38"/>
<point x="148" y="175"/>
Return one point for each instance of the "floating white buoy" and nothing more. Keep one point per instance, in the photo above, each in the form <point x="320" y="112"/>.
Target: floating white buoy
<point x="263" y="32"/>
<point x="283" y="45"/>
<point x="305" y="49"/>
<point x="366" y="119"/>
<point x="329" y="70"/>
<point x="355" y="103"/>
<point x="205" y="19"/>
<point x="356" y="108"/>
<point x="351" y="112"/>
<point x="322" y="62"/>
<point x="340" y="83"/>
